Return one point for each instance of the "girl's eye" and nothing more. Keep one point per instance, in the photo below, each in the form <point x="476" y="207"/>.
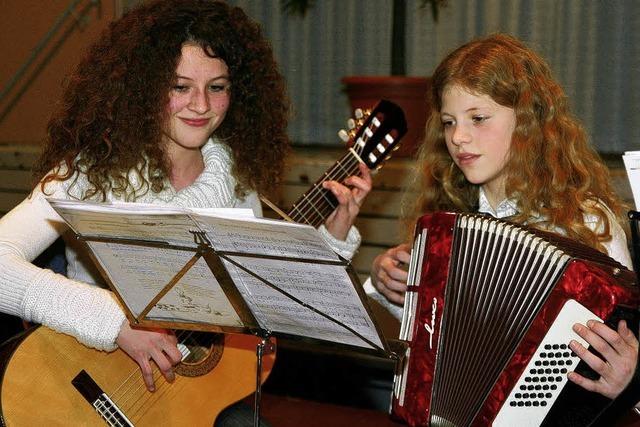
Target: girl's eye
<point x="479" y="119"/>
<point x="180" y="88"/>
<point x="447" y="123"/>
<point x="218" y="88"/>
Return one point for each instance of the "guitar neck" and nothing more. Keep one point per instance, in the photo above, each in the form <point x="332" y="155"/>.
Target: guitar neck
<point x="371" y="144"/>
<point x="314" y="206"/>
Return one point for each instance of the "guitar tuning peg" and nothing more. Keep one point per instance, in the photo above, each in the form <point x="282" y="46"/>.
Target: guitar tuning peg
<point x="358" y="113"/>
<point x="344" y="136"/>
<point x="395" y="148"/>
<point x="351" y="123"/>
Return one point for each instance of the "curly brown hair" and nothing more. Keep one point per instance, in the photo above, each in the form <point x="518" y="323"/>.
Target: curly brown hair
<point x="113" y="109"/>
<point x="552" y="171"/>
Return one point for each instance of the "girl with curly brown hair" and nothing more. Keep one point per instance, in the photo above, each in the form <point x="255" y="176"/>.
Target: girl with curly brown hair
<point x="179" y="102"/>
<point x="501" y="140"/>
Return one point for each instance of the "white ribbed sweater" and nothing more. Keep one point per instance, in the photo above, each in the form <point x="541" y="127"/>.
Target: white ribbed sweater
<point x="73" y="305"/>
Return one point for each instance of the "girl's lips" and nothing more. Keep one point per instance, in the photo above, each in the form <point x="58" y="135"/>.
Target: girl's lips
<point x="466" y="159"/>
<point x="195" y="122"/>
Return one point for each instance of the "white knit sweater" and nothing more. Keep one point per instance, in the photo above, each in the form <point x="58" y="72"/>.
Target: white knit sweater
<point x="73" y="305"/>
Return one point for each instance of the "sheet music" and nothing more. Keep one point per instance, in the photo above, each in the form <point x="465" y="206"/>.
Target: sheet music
<point x="632" y="164"/>
<point x="138" y="264"/>
<point x="327" y="288"/>
<point x="140" y="272"/>
<point x="128" y="220"/>
<point x="266" y="237"/>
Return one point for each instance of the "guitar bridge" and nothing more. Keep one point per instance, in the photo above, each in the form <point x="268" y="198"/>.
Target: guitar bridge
<point x="92" y="392"/>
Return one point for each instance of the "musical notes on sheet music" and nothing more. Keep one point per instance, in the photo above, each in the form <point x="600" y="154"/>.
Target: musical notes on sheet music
<point x="197" y="296"/>
<point x="327" y="288"/>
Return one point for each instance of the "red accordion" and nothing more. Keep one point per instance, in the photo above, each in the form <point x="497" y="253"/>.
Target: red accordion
<point x="488" y="316"/>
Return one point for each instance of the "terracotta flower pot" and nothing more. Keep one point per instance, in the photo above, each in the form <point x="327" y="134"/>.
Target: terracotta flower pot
<point x="408" y="92"/>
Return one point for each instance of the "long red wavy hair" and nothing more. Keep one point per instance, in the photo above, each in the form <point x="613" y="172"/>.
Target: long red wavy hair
<point x="552" y="171"/>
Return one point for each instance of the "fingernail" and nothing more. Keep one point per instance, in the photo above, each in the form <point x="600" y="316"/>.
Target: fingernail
<point x="591" y="323"/>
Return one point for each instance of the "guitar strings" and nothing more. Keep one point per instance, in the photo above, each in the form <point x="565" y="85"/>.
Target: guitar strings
<point x="317" y="193"/>
<point x="315" y="196"/>
<point x="129" y="393"/>
<point x="313" y="214"/>
<point x="135" y="397"/>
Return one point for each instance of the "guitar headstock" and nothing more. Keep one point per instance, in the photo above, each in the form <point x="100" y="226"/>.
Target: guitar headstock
<point x="379" y="134"/>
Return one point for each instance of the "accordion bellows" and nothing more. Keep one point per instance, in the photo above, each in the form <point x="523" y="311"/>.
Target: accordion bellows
<point x="482" y="295"/>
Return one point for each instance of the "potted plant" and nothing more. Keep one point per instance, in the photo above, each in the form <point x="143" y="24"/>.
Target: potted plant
<point x="406" y="91"/>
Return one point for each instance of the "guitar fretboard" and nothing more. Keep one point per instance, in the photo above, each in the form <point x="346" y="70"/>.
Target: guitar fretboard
<point x="314" y="206"/>
<point x="371" y="145"/>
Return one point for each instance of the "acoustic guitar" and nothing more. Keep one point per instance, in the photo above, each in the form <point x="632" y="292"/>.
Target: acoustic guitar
<point x="48" y="378"/>
<point x="51" y="379"/>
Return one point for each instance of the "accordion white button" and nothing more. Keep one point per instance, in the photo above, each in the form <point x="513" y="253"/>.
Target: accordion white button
<point x="546" y="373"/>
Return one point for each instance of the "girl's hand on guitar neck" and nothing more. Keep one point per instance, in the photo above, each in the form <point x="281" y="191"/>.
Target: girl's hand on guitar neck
<point x="142" y="345"/>
<point x="350" y="196"/>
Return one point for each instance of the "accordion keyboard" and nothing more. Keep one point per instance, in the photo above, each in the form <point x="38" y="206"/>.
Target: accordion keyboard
<point x="546" y="374"/>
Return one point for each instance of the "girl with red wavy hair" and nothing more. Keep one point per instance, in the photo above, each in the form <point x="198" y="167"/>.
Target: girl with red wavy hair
<point x="501" y="140"/>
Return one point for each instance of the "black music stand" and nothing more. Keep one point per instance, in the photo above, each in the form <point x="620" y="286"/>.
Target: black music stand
<point x="265" y="274"/>
<point x="634" y="222"/>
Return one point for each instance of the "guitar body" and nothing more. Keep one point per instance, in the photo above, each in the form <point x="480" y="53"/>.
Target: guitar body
<point x="37" y="389"/>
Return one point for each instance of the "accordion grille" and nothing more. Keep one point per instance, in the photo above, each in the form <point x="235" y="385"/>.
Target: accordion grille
<point x="499" y="277"/>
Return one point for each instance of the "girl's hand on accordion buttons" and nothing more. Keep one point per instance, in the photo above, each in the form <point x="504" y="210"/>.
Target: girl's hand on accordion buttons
<point x="387" y="274"/>
<point x="619" y="349"/>
<point x="350" y="196"/>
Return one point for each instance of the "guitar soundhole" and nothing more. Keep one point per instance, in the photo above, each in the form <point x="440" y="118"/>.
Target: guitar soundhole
<point x="205" y="351"/>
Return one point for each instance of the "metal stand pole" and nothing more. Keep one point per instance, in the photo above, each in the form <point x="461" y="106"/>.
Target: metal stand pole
<point x="264" y="345"/>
